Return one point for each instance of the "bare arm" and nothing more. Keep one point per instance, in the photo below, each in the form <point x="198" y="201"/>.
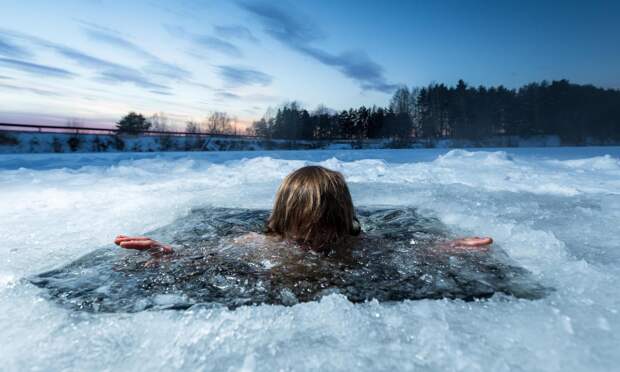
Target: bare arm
<point x="142" y="243"/>
<point x="470" y="244"/>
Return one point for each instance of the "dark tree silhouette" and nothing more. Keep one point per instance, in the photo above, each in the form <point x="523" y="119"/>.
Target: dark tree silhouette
<point x="133" y="123"/>
<point x="573" y="112"/>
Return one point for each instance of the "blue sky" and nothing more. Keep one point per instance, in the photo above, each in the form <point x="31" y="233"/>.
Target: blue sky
<point x="98" y="59"/>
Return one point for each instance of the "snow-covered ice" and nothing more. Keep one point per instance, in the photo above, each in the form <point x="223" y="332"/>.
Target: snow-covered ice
<point x="555" y="211"/>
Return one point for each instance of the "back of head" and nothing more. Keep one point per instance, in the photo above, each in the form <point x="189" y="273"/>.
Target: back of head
<point x="313" y="206"/>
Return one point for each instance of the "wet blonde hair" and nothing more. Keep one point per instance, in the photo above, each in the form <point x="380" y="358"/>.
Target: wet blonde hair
<point x="313" y="206"/>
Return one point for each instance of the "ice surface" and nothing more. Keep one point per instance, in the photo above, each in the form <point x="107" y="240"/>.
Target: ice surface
<point x="554" y="211"/>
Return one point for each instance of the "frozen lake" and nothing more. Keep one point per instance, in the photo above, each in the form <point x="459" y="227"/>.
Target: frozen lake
<point x="555" y="211"/>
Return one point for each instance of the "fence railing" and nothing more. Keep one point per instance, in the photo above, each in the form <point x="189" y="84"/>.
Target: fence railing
<point x="10" y="127"/>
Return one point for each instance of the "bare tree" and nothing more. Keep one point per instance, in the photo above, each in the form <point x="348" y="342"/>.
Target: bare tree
<point x="403" y="101"/>
<point x="159" y="122"/>
<point x="250" y="131"/>
<point x="218" y="123"/>
<point x="235" y="126"/>
<point x="75" y="123"/>
<point x="74" y="141"/>
<point x="192" y="127"/>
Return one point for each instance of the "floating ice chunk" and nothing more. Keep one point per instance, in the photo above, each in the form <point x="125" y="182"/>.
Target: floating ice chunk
<point x="7" y="280"/>
<point x="597" y="163"/>
<point x="168" y="299"/>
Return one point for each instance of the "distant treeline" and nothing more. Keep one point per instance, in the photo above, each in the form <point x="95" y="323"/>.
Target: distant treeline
<point x="216" y="123"/>
<point x="572" y="111"/>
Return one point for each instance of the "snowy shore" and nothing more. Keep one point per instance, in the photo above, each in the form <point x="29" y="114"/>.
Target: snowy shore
<point x="34" y="142"/>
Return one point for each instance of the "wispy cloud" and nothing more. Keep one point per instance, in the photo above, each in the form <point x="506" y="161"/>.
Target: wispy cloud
<point x="213" y="43"/>
<point x="155" y="65"/>
<point x="105" y="70"/>
<point x="238" y="76"/>
<point x="185" y="9"/>
<point x="113" y="38"/>
<point x="109" y="71"/>
<point x="355" y="65"/>
<point x="221" y="94"/>
<point x="299" y="34"/>
<point x="199" y="85"/>
<point x="11" y="50"/>
<point x="41" y="92"/>
<point x="206" y="42"/>
<point x="124" y="75"/>
<point x="284" y="26"/>
<point x="235" y="32"/>
<point x="227" y="95"/>
<point x="19" y="56"/>
<point x="167" y="70"/>
<point x="162" y="92"/>
<point x="83" y="59"/>
<point x="36" y="69"/>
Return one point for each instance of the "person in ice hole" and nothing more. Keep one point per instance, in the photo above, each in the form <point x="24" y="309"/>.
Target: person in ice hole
<point x="313" y="207"/>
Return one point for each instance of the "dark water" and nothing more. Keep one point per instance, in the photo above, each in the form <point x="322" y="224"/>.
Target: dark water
<point x="217" y="264"/>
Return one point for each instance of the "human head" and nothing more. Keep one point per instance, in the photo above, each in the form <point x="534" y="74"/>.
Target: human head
<point x="313" y="205"/>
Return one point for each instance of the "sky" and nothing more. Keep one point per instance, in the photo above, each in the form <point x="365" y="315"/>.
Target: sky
<point x="93" y="61"/>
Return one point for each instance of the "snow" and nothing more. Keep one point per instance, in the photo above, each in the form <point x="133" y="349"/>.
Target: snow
<point x="12" y="142"/>
<point x="34" y="142"/>
<point x="554" y="210"/>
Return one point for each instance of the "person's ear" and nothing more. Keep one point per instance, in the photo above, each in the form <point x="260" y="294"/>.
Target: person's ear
<point x="356" y="228"/>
